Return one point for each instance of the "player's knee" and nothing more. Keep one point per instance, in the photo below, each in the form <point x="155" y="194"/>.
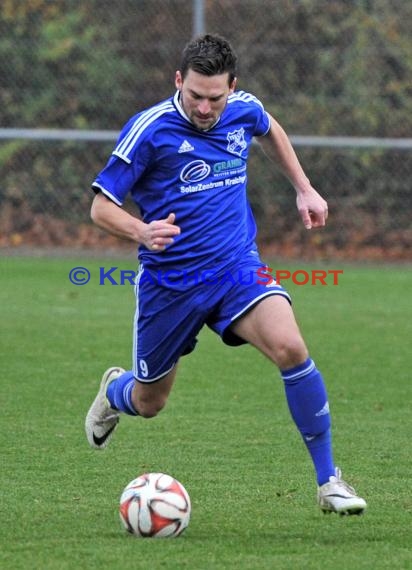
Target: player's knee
<point x="291" y="352"/>
<point x="147" y="413"/>
<point x="149" y="408"/>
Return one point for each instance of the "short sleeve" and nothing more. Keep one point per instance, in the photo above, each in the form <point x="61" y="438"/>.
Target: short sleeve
<point x="116" y="180"/>
<point x="121" y="174"/>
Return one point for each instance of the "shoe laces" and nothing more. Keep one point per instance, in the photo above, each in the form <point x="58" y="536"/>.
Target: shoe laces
<point x="109" y="416"/>
<point x="337" y="479"/>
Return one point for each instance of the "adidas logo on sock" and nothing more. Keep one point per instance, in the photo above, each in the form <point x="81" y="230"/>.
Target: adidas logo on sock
<point x="323" y="411"/>
<point x="186" y="146"/>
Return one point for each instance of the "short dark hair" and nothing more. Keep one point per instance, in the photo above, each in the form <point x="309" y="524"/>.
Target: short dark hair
<point x="209" y="55"/>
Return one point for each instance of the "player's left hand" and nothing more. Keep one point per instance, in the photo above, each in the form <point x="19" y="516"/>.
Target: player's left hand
<point x="313" y="208"/>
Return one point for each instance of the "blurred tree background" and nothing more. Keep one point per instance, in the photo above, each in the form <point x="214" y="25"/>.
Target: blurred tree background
<point x="322" y="68"/>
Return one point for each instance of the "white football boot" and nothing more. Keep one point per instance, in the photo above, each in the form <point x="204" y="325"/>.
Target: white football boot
<point x="336" y="496"/>
<point x="101" y="419"/>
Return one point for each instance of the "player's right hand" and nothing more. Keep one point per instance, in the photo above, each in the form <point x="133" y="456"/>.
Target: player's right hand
<point x="158" y="234"/>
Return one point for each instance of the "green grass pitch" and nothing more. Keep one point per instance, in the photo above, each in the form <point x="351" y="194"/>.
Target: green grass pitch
<point x="225" y="433"/>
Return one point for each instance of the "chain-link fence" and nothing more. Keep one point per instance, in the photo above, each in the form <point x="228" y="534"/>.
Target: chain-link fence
<point x="322" y="68"/>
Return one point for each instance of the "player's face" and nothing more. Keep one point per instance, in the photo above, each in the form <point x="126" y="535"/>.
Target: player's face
<point x="203" y="97"/>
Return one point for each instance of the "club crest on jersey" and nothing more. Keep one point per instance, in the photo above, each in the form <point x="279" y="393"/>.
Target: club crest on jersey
<point x="237" y="143"/>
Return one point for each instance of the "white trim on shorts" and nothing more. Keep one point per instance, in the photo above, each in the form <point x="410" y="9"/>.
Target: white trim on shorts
<point x="136" y="335"/>
<point x="256" y="300"/>
<point x="136" y="317"/>
<point x="152" y="380"/>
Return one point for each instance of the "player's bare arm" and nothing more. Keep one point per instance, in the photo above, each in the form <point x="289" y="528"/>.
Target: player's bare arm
<point x="311" y="206"/>
<point x="156" y="235"/>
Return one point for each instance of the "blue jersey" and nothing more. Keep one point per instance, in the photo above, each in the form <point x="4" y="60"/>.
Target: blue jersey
<point x="168" y="165"/>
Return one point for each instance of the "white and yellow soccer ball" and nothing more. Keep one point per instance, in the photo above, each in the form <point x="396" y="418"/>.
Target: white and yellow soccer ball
<point x="155" y="505"/>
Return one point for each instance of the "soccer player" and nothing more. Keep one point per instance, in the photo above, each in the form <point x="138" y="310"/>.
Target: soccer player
<point x="183" y="162"/>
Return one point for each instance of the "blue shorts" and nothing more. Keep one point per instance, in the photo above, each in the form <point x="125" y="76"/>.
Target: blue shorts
<point x="169" y="316"/>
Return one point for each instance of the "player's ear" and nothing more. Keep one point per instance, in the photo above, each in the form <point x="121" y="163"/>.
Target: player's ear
<point x="232" y="85"/>
<point x="178" y="80"/>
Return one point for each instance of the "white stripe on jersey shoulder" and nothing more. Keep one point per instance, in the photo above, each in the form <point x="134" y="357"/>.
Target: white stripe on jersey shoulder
<point x="126" y="145"/>
<point x="243" y="96"/>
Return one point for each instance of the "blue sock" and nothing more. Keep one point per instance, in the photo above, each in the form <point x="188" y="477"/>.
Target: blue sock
<point x="309" y="407"/>
<point x="119" y="393"/>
